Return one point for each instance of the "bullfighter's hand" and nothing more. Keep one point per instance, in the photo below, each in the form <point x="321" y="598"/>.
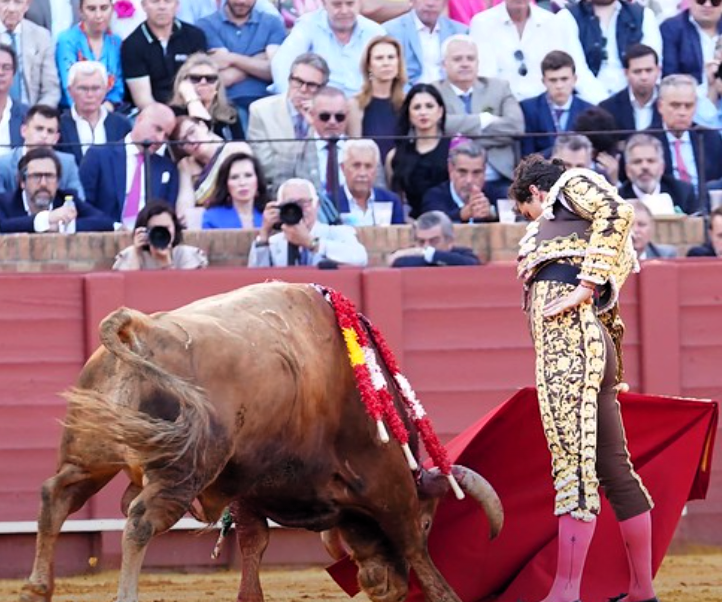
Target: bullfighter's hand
<point x="581" y="294"/>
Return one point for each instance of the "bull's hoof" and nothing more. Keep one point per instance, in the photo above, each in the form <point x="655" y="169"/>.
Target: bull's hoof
<point x="378" y="587"/>
<point x="35" y="592"/>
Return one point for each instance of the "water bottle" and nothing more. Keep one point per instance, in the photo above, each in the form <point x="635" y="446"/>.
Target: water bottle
<point x="68" y="228"/>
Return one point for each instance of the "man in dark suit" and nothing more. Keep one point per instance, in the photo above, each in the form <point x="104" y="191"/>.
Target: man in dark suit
<point x="682" y="137"/>
<point x="681" y="39"/>
<point x="712" y="248"/>
<point x="39" y="206"/>
<point x="647" y="180"/>
<point x="643" y="235"/>
<point x="434" y="245"/>
<point x="635" y="107"/>
<point x="88" y="121"/>
<point x="556" y="109"/>
<point x="114" y="176"/>
<point x="462" y="197"/>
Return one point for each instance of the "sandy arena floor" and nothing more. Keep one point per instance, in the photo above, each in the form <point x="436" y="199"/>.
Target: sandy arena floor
<point x="683" y="578"/>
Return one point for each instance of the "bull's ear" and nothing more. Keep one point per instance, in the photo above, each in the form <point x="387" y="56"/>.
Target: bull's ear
<point x="432" y="484"/>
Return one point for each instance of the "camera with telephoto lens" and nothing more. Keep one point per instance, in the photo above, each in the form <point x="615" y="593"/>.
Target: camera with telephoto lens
<point x="290" y="213"/>
<point x="719" y="71"/>
<point x="159" y="237"/>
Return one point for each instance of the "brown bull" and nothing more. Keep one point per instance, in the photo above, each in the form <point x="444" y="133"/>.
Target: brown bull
<point x="244" y="398"/>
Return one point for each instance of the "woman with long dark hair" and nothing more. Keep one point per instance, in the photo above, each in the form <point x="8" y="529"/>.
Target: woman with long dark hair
<point x="418" y="161"/>
<point x="240" y="194"/>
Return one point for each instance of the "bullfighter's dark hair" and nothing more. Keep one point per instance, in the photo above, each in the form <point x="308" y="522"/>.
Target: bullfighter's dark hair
<point x="537" y="171"/>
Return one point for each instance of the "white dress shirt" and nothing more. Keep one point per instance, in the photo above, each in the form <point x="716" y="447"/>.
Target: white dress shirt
<point x="611" y="78"/>
<point x="706" y="42"/>
<point x="430" y="50"/>
<point x="643" y="114"/>
<point x="497" y="39"/>
<point x="87" y="134"/>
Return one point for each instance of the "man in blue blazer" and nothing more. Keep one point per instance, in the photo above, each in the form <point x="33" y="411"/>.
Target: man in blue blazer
<point x="681" y="44"/>
<point x="423" y="61"/>
<point x="38" y="205"/>
<point x="556" y="109"/>
<point x="641" y="68"/>
<point x="40" y="129"/>
<point x="89" y="121"/>
<point x="114" y="175"/>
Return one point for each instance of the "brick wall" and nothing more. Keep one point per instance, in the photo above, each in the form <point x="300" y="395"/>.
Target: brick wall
<point x="95" y="251"/>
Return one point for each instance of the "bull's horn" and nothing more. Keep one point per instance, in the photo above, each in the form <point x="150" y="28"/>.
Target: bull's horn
<point x="333" y="543"/>
<point x="481" y="490"/>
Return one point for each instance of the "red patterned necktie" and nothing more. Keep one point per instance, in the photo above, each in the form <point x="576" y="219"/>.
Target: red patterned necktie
<point x="679" y="160"/>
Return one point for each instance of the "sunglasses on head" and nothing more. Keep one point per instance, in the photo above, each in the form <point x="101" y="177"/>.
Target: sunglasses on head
<point x="519" y="56"/>
<point x="339" y="117"/>
<point x="714" y="3"/>
<point x="197" y="79"/>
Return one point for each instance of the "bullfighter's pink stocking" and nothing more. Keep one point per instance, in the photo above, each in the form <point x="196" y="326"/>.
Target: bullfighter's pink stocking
<point x="575" y="536"/>
<point x="637" y="537"/>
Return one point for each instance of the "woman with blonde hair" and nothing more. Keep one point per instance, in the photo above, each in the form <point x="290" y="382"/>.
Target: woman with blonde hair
<point x="199" y="92"/>
<point x="374" y="111"/>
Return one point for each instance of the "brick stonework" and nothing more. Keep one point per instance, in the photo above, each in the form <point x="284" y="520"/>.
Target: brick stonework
<point x="95" y="251"/>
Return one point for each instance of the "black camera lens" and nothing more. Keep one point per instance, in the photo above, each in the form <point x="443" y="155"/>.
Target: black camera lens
<point x="159" y="237"/>
<point x="290" y="213"/>
<point x="719" y="71"/>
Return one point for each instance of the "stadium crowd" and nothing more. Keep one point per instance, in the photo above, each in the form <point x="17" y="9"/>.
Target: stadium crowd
<point x="307" y="119"/>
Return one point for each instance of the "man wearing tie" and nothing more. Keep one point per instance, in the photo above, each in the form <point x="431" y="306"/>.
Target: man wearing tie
<point x="113" y="176"/>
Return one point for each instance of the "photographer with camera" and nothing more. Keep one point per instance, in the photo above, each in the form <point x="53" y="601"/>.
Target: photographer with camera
<point x="157" y="243"/>
<point x="300" y="239"/>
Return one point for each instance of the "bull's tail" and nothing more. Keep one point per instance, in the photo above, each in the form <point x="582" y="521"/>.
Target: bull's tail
<point x="156" y="440"/>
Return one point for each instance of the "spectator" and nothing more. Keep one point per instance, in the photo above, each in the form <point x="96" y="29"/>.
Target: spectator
<point x="199" y="92"/>
<point x="681" y="138"/>
<point x="41" y="128"/>
<point x="513" y="38"/>
<point x="643" y="235"/>
<point x="374" y="112"/>
<point x="113" y="176"/>
<point x="422" y="32"/>
<point x="38" y="205"/>
<point x="434" y="245"/>
<point x="574" y="150"/>
<point x="713" y="247"/>
<point x="689" y="39"/>
<point x="56" y="17"/>
<point x="556" y="109"/>
<point x="12" y="114"/>
<point x="339" y="34"/>
<point x="360" y="202"/>
<point x="153" y="53"/>
<point x="647" y="180"/>
<point x="91" y="40"/>
<point x="192" y="11"/>
<point x="418" y="160"/>
<point x="635" y="107"/>
<point x="88" y="121"/>
<point x="243" y="39"/>
<point x="481" y="106"/>
<point x="597" y="34"/>
<point x="36" y="76"/>
<point x="462" y="197"/>
<point x="709" y="105"/>
<point x="157" y="243"/>
<point x="239" y="196"/>
<point x="308" y="242"/>
<point x="600" y="127"/>
<point x="201" y="153"/>
<point x="276" y="119"/>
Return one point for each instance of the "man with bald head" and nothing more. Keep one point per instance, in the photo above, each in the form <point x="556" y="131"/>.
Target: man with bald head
<point x="114" y="176"/>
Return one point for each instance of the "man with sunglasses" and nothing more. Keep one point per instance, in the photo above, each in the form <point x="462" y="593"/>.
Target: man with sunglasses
<point x="243" y="39"/>
<point x="38" y="205"/>
<point x="278" y="119"/>
<point x="597" y="34"/>
<point x="689" y="38"/>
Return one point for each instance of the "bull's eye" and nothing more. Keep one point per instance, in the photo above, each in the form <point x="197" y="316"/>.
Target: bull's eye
<point x="426" y="524"/>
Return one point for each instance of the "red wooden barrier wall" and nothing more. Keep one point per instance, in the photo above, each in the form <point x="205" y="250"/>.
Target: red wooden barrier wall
<point x="458" y="332"/>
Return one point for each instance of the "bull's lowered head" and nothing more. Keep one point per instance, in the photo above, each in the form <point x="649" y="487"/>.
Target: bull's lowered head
<point x="434" y="485"/>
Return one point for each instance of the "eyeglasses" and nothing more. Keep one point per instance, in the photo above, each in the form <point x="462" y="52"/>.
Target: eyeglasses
<point x="339" y="117"/>
<point x="312" y="87"/>
<point x="197" y="79"/>
<point x="38" y="177"/>
<point x="7" y="68"/>
<point x="519" y="56"/>
<point x="714" y="3"/>
<point x="88" y="89"/>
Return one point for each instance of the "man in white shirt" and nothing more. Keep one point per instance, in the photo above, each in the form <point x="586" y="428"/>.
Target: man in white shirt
<point x="513" y="38"/>
<point x="597" y="34"/>
<point x="421" y="32"/>
<point x="307" y="241"/>
<point x="88" y="121"/>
